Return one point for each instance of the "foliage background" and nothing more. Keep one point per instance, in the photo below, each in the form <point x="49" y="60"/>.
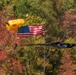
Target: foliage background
<point x="58" y="17"/>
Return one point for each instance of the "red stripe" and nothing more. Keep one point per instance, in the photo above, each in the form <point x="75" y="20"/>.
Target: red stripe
<point x="34" y="30"/>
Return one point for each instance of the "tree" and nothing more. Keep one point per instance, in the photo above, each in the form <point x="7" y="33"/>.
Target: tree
<point x="37" y="59"/>
<point x="66" y="67"/>
<point x="68" y="24"/>
<point x="9" y="63"/>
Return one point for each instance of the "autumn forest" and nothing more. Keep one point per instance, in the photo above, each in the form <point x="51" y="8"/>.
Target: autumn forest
<point x="59" y="20"/>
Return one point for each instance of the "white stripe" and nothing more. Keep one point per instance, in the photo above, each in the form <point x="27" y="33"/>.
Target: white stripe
<point x="34" y="30"/>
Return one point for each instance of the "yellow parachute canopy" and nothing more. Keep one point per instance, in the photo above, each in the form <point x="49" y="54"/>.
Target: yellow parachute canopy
<point x="14" y="24"/>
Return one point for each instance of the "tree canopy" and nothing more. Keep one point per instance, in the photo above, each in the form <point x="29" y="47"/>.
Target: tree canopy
<point x="58" y="18"/>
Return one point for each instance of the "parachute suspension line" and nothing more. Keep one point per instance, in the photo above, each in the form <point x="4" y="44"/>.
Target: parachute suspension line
<point x="44" y="59"/>
<point x="44" y="55"/>
<point x="16" y="42"/>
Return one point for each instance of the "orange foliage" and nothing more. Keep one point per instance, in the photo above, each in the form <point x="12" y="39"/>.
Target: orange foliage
<point x="7" y="41"/>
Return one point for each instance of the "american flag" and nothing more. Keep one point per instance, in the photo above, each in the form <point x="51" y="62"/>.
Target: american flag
<point x="27" y="31"/>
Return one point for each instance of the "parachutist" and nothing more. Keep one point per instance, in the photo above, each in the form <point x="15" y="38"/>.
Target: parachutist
<point x="62" y="45"/>
<point x="69" y="45"/>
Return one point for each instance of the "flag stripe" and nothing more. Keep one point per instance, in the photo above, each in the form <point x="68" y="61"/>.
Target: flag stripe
<point x="33" y="30"/>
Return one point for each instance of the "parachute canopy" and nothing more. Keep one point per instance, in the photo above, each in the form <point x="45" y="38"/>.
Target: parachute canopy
<point x="14" y="24"/>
